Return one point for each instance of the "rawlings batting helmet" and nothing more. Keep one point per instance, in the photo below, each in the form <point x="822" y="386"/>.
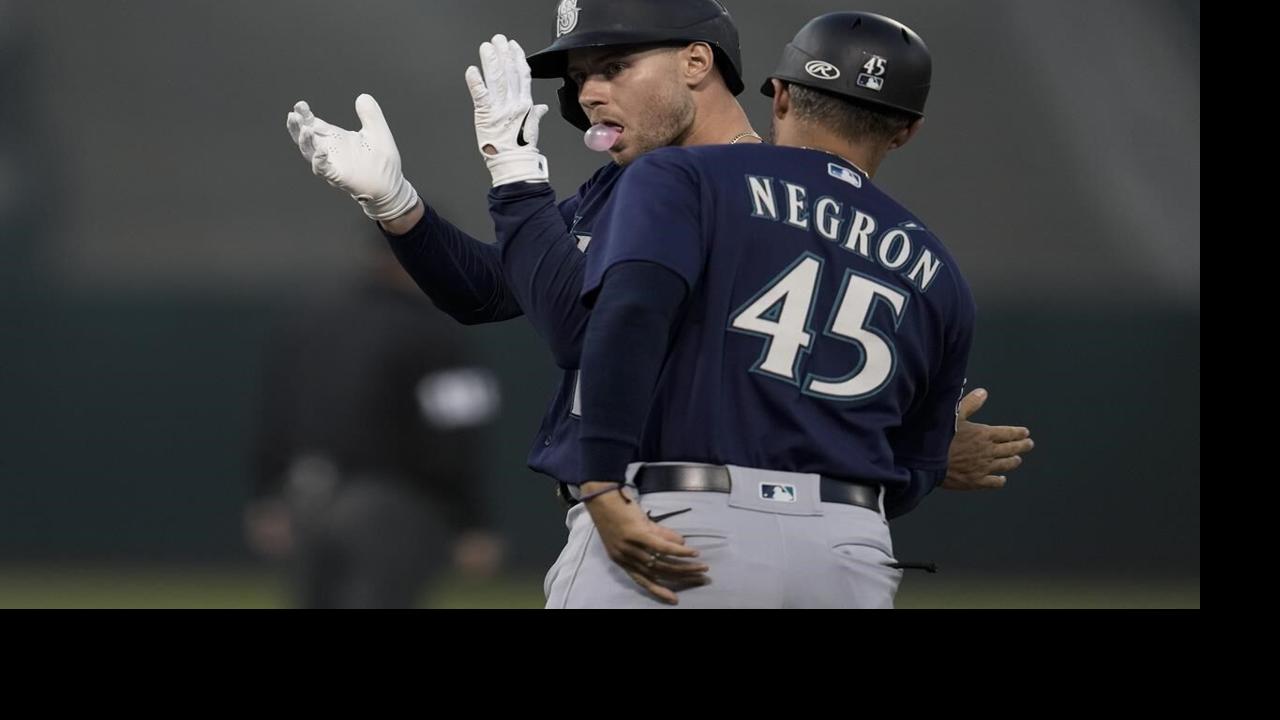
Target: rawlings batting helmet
<point x="861" y="56"/>
<point x="605" y="23"/>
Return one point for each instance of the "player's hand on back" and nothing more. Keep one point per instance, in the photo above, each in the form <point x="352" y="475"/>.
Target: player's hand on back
<point x="655" y="557"/>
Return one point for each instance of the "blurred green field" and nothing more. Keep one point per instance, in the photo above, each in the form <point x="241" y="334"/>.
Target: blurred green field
<point x="237" y="587"/>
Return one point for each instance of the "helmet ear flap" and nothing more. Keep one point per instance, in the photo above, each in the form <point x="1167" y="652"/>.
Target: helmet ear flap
<point x="570" y="109"/>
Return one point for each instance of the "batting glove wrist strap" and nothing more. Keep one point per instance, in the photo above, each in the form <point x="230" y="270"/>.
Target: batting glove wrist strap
<point x="401" y="200"/>
<point x="517" y="166"/>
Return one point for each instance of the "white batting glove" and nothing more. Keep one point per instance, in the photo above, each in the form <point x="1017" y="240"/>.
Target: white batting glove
<point x="365" y="164"/>
<point x="506" y="118"/>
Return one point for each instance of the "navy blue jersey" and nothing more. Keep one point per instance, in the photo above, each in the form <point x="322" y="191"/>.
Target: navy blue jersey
<point x="825" y="330"/>
<point x="534" y="269"/>
<point x="544" y="272"/>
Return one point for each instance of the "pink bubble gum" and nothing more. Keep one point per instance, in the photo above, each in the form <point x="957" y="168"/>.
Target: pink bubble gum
<point x="601" y="137"/>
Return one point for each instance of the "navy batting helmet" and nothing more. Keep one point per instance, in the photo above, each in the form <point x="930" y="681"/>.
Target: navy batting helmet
<point x="604" y="23"/>
<point x="862" y="56"/>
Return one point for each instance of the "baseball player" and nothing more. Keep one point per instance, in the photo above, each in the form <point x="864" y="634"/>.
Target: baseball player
<point x="535" y="268"/>
<point x="615" y="58"/>
<point x="795" y="345"/>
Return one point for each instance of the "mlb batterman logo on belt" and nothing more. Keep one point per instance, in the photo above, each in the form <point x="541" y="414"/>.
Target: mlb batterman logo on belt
<point x="778" y="493"/>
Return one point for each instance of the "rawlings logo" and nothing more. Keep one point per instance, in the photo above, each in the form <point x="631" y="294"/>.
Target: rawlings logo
<point x="822" y="70"/>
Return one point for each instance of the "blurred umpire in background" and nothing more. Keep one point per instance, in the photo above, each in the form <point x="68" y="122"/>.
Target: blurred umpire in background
<point x="369" y="455"/>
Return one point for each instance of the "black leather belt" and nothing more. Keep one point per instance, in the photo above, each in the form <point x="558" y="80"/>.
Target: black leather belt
<point x="715" y="478"/>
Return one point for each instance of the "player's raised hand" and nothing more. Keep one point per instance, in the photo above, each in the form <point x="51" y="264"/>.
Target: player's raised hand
<point x="365" y="164"/>
<point x="506" y="119"/>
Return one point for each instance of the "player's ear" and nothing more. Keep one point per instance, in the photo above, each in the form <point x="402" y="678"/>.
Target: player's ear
<point x="699" y="61"/>
<point x="904" y="135"/>
<point x="781" y="98"/>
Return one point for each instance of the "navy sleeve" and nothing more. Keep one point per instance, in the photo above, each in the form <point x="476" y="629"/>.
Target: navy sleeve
<point x="461" y="275"/>
<point x="623" y="354"/>
<point x="542" y="263"/>
<point x="923" y="443"/>
<point x="656" y="216"/>
<point x="924" y="440"/>
<point x="904" y="500"/>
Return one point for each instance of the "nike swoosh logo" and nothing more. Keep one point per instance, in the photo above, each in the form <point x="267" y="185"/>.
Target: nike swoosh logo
<point x="520" y="135"/>
<point x="664" y="516"/>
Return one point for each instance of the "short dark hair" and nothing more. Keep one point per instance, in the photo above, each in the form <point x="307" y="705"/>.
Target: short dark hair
<point x="852" y="119"/>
